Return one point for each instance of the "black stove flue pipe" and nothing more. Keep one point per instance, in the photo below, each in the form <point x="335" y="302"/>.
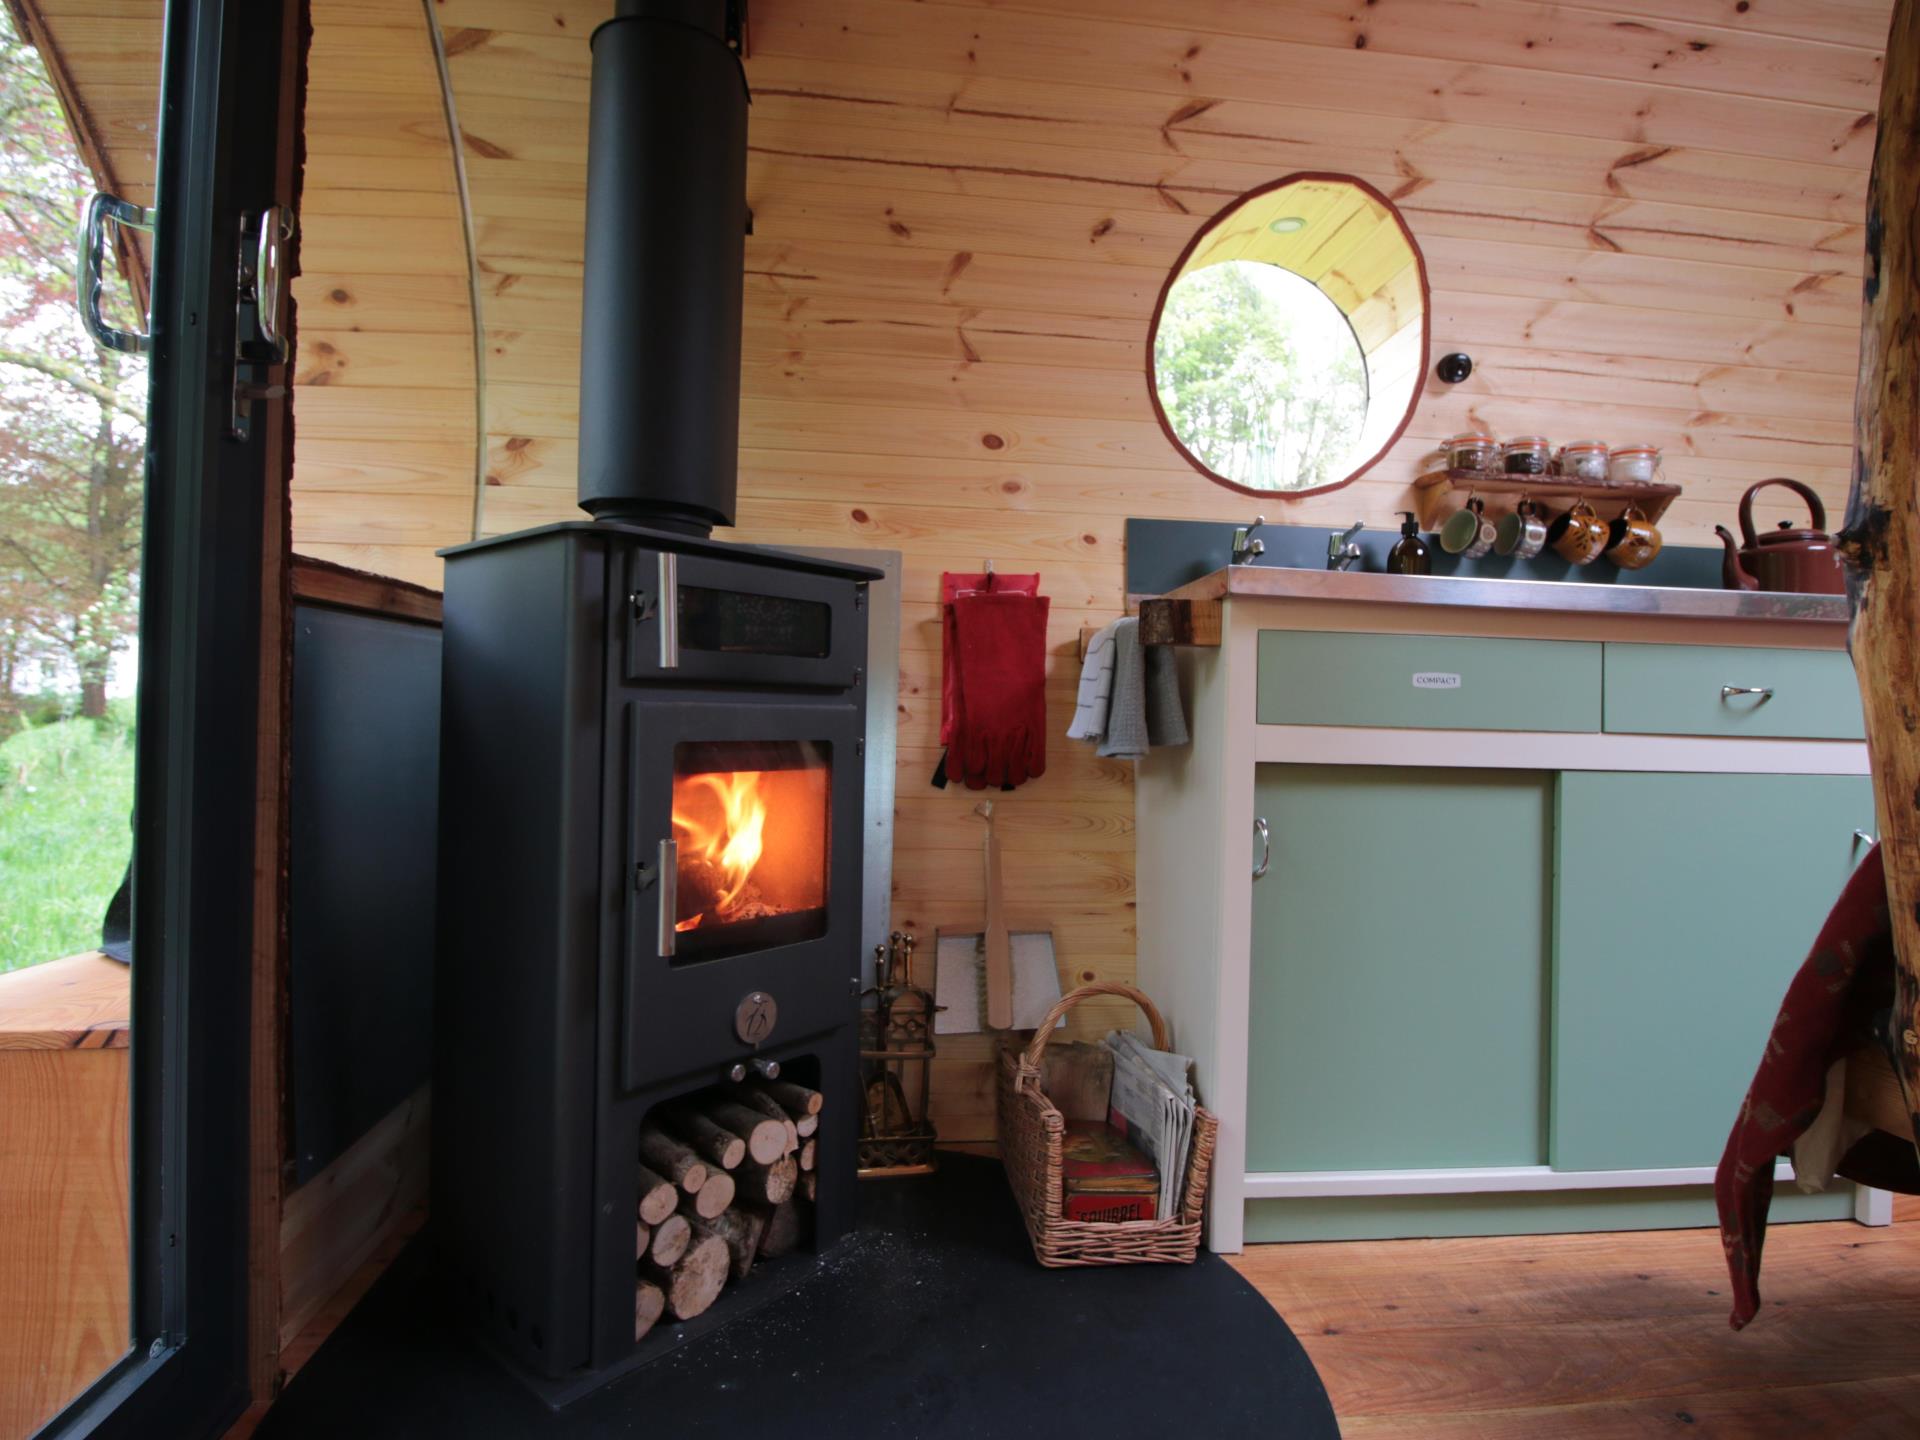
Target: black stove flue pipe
<point x="666" y="247"/>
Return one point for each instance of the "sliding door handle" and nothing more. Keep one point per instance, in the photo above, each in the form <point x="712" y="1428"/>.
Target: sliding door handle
<point x="104" y="210"/>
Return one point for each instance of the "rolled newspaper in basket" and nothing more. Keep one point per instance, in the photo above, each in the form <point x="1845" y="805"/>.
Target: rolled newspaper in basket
<point x="1028" y="1073"/>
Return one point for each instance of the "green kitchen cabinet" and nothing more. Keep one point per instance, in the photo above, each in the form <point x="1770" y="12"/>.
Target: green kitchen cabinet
<point x="1719" y="690"/>
<point x="1428" y="682"/>
<point x="1399" y="969"/>
<point x="1684" y="903"/>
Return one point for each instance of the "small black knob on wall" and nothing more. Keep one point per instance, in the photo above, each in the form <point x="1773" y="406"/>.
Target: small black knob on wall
<point x="1454" y="368"/>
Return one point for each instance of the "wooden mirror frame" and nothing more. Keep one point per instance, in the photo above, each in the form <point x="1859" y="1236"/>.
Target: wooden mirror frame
<point x="1426" y="332"/>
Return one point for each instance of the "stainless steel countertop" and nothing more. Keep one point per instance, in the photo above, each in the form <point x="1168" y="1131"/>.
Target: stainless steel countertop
<point x="1547" y="596"/>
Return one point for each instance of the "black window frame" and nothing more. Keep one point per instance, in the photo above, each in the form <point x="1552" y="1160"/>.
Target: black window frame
<point x="221" y="154"/>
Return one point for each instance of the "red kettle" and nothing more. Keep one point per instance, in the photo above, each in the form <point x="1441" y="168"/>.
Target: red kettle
<point x="1782" y="559"/>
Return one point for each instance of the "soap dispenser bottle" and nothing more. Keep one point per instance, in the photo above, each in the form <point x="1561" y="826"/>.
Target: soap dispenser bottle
<point x="1410" y="555"/>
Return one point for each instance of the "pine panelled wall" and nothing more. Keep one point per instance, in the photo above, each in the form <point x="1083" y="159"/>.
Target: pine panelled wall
<point x="384" y="388"/>
<point x="1642" y="218"/>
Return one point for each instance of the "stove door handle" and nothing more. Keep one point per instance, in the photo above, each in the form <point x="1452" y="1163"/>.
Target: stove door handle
<point x="669" y="618"/>
<point x="669" y="896"/>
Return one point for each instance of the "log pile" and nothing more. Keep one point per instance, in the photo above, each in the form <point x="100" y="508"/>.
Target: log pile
<point x="726" y="1179"/>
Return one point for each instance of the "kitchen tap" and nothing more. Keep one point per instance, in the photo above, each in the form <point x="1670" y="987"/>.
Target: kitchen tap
<point x="1246" y="549"/>
<point x="1342" y="549"/>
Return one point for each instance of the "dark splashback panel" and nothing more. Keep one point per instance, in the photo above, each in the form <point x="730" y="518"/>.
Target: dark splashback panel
<point x="1163" y="555"/>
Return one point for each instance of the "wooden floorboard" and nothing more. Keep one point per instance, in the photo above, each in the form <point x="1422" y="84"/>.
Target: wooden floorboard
<point x="1606" y="1337"/>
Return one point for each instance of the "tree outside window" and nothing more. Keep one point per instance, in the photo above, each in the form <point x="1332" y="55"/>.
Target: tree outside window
<point x="72" y="456"/>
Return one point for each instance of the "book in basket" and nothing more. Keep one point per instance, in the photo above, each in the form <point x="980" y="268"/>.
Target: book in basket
<point x="1104" y="1177"/>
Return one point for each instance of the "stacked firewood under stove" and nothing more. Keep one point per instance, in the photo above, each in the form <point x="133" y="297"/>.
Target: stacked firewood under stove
<point x="726" y="1180"/>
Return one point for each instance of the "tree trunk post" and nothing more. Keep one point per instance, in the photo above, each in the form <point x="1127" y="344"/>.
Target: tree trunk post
<point x="1881" y="542"/>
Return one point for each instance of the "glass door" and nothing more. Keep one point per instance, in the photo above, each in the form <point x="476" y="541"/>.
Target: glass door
<point x="739" y="888"/>
<point x="130" y="650"/>
<point x="752" y="830"/>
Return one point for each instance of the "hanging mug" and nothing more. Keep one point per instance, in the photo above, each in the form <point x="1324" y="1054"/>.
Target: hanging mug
<point x="1522" y="533"/>
<point x="1468" y="533"/>
<point x="1579" y="535"/>
<point x="1632" y="540"/>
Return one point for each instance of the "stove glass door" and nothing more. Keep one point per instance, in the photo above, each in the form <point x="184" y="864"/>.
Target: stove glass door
<point x="752" y="821"/>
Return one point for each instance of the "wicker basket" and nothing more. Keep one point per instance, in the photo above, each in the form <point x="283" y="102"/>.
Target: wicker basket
<point x="1030" y="1144"/>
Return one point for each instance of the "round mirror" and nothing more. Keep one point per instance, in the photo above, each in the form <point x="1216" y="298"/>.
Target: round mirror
<point x="1290" y="341"/>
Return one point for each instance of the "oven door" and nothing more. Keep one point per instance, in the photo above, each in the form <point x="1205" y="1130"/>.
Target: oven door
<point x="743" y="914"/>
<point x="706" y="620"/>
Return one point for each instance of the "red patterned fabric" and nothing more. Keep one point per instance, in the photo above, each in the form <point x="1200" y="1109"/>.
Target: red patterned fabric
<point x="952" y="586"/>
<point x="1836" y="1003"/>
<point x="1000" y="731"/>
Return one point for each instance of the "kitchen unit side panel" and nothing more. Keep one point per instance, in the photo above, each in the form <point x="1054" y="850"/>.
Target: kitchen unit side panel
<point x="1685" y="904"/>
<point x="1398" y="999"/>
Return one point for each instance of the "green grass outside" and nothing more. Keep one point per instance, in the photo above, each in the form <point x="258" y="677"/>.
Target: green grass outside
<point x="66" y="792"/>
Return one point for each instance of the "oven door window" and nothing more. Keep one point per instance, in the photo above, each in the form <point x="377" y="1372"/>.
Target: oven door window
<point x="751" y="827"/>
<point x="739" y="622"/>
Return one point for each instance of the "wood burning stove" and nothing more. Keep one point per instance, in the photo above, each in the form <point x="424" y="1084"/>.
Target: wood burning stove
<point x="651" y="794"/>
<point x="650" y="884"/>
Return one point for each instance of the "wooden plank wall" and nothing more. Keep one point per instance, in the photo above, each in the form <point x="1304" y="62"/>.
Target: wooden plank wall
<point x="384" y="378"/>
<point x="1641" y="217"/>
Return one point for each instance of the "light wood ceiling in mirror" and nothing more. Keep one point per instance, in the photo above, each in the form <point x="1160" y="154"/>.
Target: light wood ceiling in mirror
<point x="1350" y="245"/>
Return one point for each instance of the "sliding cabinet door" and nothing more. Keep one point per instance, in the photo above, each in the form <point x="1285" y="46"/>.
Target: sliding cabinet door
<point x="1683" y="906"/>
<point x="1399" y="969"/>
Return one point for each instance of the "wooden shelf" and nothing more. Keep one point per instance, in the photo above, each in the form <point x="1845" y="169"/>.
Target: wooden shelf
<point x="1438" y="493"/>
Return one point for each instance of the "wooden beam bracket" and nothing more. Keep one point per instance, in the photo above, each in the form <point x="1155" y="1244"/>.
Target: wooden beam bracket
<point x="1180" y="622"/>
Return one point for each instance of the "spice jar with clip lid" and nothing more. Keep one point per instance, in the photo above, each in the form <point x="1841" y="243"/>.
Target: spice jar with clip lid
<point x="1584" y="460"/>
<point x="1473" y="450"/>
<point x="1634" y="465"/>
<point x="1526" y="455"/>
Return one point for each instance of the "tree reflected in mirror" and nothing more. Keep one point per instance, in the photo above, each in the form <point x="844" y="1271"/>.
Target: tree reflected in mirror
<point x="1261" y="376"/>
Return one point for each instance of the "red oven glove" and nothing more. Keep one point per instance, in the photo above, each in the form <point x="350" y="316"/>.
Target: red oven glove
<point x="1000" y="729"/>
<point x="951" y="586"/>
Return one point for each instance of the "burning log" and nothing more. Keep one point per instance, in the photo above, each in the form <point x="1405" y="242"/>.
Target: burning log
<point x="657" y="1197"/>
<point x="739" y="1230"/>
<point x="768" y="1184"/>
<point x="648" y="1303"/>
<point x="695" y="1280"/>
<point x="773" y="1110"/>
<point x="717" y="1144"/>
<point x="782" y="1230"/>
<point x="713" y="1197"/>
<point x="670" y="1158"/>
<point x="766" y="1137"/>
<point x="670" y="1240"/>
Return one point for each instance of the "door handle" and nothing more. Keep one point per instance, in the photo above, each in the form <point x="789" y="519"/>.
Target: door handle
<point x="669" y="897"/>
<point x="669" y="608"/>
<point x="104" y="210"/>
<point x="1265" y="837"/>
<point x="267" y="285"/>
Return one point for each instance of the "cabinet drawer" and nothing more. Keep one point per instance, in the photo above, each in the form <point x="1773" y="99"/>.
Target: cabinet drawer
<point x="1427" y="682"/>
<point x="1681" y="690"/>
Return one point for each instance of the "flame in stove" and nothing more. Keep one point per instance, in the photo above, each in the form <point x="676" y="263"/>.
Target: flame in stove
<point x="734" y="846"/>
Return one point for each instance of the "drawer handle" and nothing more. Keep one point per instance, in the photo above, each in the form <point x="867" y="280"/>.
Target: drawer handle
<point x="1266" y="845"/>
<point x="1765" y="692"/>
<point x="1861" y="837"/>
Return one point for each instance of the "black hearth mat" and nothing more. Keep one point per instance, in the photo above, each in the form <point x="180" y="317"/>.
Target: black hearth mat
<point x="930" y="1320"/>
